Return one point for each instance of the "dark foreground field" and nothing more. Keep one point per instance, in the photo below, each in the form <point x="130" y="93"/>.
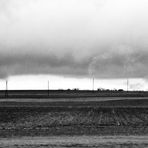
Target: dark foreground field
<point x="75" y="121"/>
<point x="74" y="127"/>
<point x="51" y="121"/>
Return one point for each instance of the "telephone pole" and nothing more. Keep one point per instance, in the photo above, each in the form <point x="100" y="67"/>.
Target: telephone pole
<point x="93" y="82"/>
<point x="6" y="91"/>
<point x="48" y="87"/>
<point x="127" y="83"/>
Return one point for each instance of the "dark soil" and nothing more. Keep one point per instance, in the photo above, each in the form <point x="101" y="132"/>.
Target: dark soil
<point x="49" y="121"/>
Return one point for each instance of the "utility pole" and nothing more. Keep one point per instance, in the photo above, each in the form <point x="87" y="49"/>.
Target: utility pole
<point x="48" y="87"/>
<point x="6" y="91"/>
<point x="127" y="83"/>
<point x="93" y="82"/>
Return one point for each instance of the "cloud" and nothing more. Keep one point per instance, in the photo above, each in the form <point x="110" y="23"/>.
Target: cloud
<point x="106" y="38"/>
<point x="120" y="65"/>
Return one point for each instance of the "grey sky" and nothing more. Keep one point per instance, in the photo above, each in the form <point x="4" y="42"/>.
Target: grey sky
<point x="107" y="38"/>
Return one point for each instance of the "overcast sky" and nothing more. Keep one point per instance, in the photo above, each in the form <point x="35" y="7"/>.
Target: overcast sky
<point x="74" y="38"/>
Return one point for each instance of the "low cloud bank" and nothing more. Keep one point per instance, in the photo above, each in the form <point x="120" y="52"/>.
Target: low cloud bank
<point x="81" y="38"/>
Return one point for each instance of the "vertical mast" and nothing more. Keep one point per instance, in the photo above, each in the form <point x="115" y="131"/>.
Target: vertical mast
<point x="127" y="83"/>
<point x="6" y="91"/>
<point x="48" y="87"/>
<point x="93" y="83"/>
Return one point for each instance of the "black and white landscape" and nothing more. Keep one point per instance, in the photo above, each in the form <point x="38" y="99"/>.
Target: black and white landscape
<point x="73" y="73"/>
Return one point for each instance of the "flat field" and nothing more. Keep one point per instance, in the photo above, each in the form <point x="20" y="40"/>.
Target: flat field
<point x="72" y="98"/>
<point x="50" y="121"/>
<point x="69" y="94"/>
<point x="61" y="127"/>
<point x="33" y="120"/>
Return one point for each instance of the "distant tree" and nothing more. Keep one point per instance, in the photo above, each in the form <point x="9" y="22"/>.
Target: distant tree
<point x="99" y="89"/>
<point x="120" y="90"/>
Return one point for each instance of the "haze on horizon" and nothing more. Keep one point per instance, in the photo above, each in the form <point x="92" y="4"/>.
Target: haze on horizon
<point x="74" y="40"/>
